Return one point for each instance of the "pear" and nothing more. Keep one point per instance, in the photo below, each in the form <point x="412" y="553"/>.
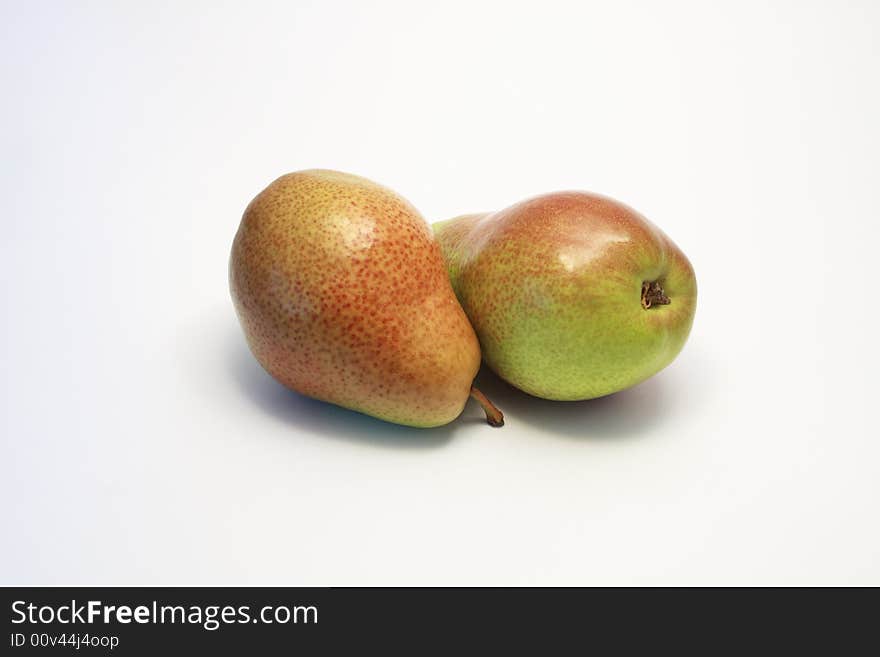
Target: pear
<point x="342" y="293"/>
<point x="572" y="295"/>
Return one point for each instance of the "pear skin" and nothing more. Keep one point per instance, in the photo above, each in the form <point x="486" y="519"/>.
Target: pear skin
<point x="573" y="295"/>
<point x="343" y="296"/>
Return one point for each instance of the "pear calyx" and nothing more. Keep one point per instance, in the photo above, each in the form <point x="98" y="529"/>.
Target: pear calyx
<point x="653" y="295"/>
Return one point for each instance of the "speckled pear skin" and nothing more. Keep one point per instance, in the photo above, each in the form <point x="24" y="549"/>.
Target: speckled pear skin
<point x="553" y="288"/>
<point x="343" y="296"/>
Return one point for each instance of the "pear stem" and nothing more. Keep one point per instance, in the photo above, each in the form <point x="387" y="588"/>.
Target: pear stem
<point x="494" y="417"/>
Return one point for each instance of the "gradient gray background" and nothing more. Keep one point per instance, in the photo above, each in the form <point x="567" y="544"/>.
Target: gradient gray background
<point x="142" y="444"/>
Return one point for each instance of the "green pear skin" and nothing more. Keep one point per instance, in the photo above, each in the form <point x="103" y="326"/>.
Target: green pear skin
<point x="573" y="295"/>
<point x="342" y="294"/>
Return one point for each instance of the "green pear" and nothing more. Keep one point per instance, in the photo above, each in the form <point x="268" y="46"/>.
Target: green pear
<point x="572" y="295"/>
<point x="342" y="293"/>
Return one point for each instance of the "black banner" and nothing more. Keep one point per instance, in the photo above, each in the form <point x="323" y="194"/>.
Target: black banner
<point x="150" y="621"/>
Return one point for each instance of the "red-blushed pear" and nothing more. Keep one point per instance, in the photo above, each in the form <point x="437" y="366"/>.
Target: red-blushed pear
<point x="341" y="291"/>
<point x="572" y="295"/>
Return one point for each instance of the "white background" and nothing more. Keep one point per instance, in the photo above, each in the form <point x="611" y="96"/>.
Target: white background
<point x="142" y="444"/>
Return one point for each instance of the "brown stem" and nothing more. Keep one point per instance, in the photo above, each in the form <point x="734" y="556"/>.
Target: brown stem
<point x="494" y="417"/>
